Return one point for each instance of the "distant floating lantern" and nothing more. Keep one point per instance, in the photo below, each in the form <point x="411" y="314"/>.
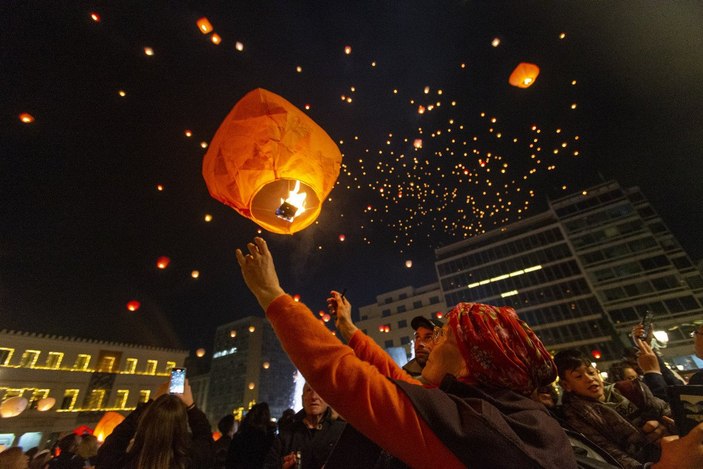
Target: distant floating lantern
<point x="342" y="237"/>
<point x="216" y="39"/>
<point x="208" y="218"/>
<point x="204" y="25"/>
<point x="251" y="386"/>
<point x="596" y="354"/>
<point x="271" y="163"/>
<point x="95" y="17"/>
<point x="163" y="262"/>
<point x="252" y="328"/>
<point x="296" y="297"/>
<point x="408" y="263"/>
<point x="439" y="315"/>
<point x="347" y="50"/>
<point x="149" y="51"/>
<point x="239" y="46"/>
<point x="188" y="133"/>
<point x="326" y="317"/>
<point x="203" y="144"/>
<point x="195" y="274"/>
<point x="133" y="305"/>
<point x="495" y="42"/>
<point x="524" y="75"/>
<point x="107" y="424"/>
<point x="122" y="93"/>
<point x="417" y="143"/>
<point x="45" y="404"/>
<point x="160" y="187"/>
<point x="13" y="406"/>
<point x="216" y="436"/>
<point x="266" y="365"/>
<point x="200" y="353"/>
<point x="26" y="118"/>
<point x="233" y="333"/>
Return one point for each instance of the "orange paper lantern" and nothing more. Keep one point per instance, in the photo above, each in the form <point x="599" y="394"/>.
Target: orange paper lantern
<point x="107" y="424"/>
<point x="271" y="163"/>
<point x="524" y="75"/>
<point x="204" y="25"/>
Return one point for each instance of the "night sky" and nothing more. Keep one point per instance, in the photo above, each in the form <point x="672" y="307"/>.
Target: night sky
<point x="82" y="221"/>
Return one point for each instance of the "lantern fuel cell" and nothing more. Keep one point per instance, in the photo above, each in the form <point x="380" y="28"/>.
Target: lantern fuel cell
<point x="286" y="211"/>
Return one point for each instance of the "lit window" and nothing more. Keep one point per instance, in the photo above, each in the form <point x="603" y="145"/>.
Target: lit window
<point x="53" y="360"/>
<point x="121" y="398"/>
<point x="10" y="392"/>
<point x="29" y="358"/>
<point x="82" y="362"/>
<point x="96" y="399"/>
<point x="151" y="367"/>
<point x="37" y="396"/>
<point x="69" y="399"/>
<point x="130" y="365"/>
<point x="144" y="395"/>
<point x="107" y="362"/>
<point x="6" y="356"/>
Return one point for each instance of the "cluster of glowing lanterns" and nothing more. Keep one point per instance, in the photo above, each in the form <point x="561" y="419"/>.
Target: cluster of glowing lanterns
<point x="14" y="406"/>
<point x="325" y="317"/>
<point x="385" y="328"/>
<point x="206" y="28"/>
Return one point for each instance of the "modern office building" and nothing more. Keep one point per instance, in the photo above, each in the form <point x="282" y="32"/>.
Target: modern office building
<point x="249" y="366"/>
<point x="582" y="273"/>
<point x="85" y="378"/>
<point x="387" y="321"/>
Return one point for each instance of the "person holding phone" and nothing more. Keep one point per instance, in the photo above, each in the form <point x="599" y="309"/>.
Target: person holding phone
<point x="155" y="435"/>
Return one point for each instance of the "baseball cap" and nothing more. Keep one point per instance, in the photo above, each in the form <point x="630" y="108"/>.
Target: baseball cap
<point x="428" y="323"/>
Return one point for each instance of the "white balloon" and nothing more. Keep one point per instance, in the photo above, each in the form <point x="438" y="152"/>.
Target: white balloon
<point x="13" y="407"/>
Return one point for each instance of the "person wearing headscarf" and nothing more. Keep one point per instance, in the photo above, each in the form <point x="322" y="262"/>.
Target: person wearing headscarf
<point x="472" y="406"/>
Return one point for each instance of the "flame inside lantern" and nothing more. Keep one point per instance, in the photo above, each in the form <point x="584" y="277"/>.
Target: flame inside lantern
<point x="293" y="205"/>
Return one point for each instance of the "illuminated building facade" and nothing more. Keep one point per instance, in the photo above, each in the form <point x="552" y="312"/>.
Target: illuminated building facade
<point x="248" y="366"/>
<point x="387" y="321"/>
<point x="85" y="377"/>
<point x="582" y="273"/>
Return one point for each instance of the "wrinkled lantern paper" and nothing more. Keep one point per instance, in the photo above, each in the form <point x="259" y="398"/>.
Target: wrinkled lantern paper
<point x="271" y="163"/>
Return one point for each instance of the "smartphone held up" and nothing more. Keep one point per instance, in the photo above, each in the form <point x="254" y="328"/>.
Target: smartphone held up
<point x="178" y="381"/>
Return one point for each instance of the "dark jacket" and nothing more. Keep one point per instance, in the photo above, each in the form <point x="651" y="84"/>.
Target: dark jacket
<point x="413" y="368"/>
<point x="507" y="430"/>
<point x="220" y="449"/>
<point x="249" y="448"/>
<point x="315" y="445"/>
<point x="113" y="453"/>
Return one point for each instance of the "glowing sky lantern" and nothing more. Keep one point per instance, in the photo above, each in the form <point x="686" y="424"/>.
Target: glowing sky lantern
<point x="347" y="50"/>
<point x="133" y="305"/>
<point x="13" y="406"/>
<point x="524" y="75"/>
<point x="122" y="93"/>
<point x="149" y="51"/>
<point x="271" y="163"/>
<point x="296" y="297"/>
<point x="95" y="17"/>
<point x="200" y="353"/>
<point x="239" y="46"/>
<point x="107" y="424"/>
<point x="195" y="274"/>
<point x="342" y="237"/>
<point x="26" y="118"/>
<point x="208" y="218"/>
<point x="408" y="263"/>
<point x="495" y="42"/>
<point x="233" y="333"/>
<point x="204" y="25"/>
<point x="163" y="262"/>
<point x="45" y="404"/>
<point x="216" y="39"/>
<point x="188" y="133"/>
<point x="417" y="143"/>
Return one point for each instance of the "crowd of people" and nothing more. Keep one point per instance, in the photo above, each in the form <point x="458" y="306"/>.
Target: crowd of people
<point x="481" y="392"/>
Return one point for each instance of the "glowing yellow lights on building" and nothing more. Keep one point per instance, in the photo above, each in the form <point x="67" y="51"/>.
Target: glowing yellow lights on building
<point x="504" y="276"/>
<point x="144" y="395"/>
<point x="509" y="293"/>
<point x="148" y="51"/>
<point x="6" y="355"/>
<point x="130" y="365"/>
<point x="151" y="367"/>
<point x="69" y="399"/>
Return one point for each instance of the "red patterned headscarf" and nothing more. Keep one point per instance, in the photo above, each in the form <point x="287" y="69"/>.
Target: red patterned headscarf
<point x="500" y="349"/>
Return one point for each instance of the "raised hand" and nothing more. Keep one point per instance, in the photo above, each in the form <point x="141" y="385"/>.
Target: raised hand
<point x="259" y="272"/>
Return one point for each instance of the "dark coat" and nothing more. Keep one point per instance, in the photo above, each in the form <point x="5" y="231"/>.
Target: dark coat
<point x="249" y="448"/>
<point x="506" y="429"/>
<point x="113" y="452"/>
<point x="314" y="444"/>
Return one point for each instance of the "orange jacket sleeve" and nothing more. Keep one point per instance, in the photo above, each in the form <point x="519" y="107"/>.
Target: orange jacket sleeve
<point x="361" y="394"/>
<point x="369" y="351"/>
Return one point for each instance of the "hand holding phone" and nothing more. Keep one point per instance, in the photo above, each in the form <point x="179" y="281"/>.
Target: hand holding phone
<point x="178" y="380"/>
<point x="647" y="325"/>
